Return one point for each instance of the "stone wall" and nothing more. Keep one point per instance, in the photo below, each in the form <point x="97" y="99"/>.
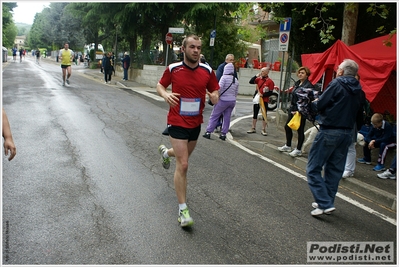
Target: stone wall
<point x="150" y="75"/>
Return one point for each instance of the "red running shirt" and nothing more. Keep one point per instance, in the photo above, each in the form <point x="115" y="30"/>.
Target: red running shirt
<point x="191" y="84"/>
<point x="262" y="83"/>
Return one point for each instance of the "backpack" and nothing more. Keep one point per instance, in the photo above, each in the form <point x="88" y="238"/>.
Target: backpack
<point x="305" y="97"/>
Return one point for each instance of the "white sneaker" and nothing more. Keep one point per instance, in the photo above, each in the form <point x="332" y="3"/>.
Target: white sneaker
<point x="296" y="153"/>
<point x="317" y="211"/>
<point x="284" y="148"/>
<point x="347" y="174"/>
<point x="386" y="175"/>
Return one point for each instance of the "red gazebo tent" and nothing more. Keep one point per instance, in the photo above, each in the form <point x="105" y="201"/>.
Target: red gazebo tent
<point x="377" y="69"/>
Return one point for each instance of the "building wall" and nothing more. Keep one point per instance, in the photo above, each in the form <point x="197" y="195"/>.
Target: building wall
<point x="20" y="41"/>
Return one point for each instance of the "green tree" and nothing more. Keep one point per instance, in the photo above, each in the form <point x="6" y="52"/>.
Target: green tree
<point x="325" y="22"/>
<point x="9" y="29"/>
<point x="91" y="18"/>
<point x="220" y="16"/>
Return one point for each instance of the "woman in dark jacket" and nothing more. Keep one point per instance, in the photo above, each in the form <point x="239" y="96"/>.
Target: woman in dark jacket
<point x="107" y="68"/>
<point x="303" y="74"/>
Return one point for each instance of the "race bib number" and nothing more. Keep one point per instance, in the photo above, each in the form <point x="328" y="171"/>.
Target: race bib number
<point x="190" y="106"/>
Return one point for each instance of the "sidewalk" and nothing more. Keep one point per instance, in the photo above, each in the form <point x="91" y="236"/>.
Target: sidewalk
<point x="364" y="183"/>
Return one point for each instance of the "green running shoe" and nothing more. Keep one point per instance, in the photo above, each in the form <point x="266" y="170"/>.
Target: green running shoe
<point x="165" y="161"/>
<point x="184" y="218"/>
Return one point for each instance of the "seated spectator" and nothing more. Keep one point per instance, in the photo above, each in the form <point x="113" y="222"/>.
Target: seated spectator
<point x="390" y="173"/>
<point x="382" y="136"/>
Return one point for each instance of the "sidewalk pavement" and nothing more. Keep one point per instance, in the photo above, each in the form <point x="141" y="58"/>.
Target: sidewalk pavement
<point x="365" y="182"/>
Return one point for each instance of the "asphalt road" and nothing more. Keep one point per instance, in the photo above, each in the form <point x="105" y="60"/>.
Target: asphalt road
<point x="87" y="186"/>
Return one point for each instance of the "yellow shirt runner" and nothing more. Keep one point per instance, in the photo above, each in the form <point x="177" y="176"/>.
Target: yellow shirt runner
<point x="66" y="56"/>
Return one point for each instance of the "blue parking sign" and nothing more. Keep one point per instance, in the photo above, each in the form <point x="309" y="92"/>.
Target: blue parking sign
<point x="285" y="25"/>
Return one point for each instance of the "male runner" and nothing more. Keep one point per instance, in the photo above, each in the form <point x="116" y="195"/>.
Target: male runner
<point x="66" y="58"/>
<point x="191" y="81"/>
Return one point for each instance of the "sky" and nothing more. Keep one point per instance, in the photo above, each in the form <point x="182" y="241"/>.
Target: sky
<point x="26" y="10"/>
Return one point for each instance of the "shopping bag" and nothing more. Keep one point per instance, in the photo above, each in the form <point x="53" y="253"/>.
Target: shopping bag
<point x="295" y="122"/>
<point x="255" y="100"/>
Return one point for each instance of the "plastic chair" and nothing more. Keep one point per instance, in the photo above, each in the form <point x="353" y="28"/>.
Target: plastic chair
<point x="277" y="65"/>
<point x="255" y="64"/>
<point x="242" y="62"/>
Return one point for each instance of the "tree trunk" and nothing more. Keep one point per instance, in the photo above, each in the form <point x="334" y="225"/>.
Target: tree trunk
<point x="351" y="11"/>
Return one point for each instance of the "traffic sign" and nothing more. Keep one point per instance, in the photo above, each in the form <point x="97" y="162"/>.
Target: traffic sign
<point x="283" y="41"/>
<point x="169" y="38"/>
<point x="176" y="30"/>
<point x="285" y="25"/>
<point x="212" y="39"/>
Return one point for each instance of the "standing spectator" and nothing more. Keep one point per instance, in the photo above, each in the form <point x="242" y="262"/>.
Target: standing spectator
<point x="156" y="55"/>
<point x="21" y="53"/>
<point x="381" y="135"/>
<point x="102" y="60"/>
<point x="246" y="61"/>
<point x="203" y="60"/>
<point x="174" y="57"/>
<point x="191" y="81"/>
<point x="9" y="145"/>
<point x="126" y="65"/>
<point x="66" y="57"/>
<point x="112" y="63"/>
<point x="87" y="58"/>
<point x="264" y="87"/>
<point x="76" y="58"/>
<point x="350" y="162"/>
<point x="338" y="108"/>
<point x="303" y="74"/>
<point x="107" y="68"/>
<point x="14" y="53"/>
<point x="180" y="55"/>
<point x="219" y="71"/>
<point x="227" y="101"/>
<point x="37" y="56"/>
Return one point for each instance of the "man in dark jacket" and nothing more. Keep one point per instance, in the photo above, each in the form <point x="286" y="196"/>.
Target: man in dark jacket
<point x="125" y="65"/>
<point x="381" y="135"/>
<point x="338" y="108"/>
<point x="220" y="69"/>
<point x="107" y="68"/>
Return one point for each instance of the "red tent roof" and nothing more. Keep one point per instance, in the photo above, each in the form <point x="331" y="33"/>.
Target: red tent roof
<point x="376" y="63"/>
<point x="375" y="48"/>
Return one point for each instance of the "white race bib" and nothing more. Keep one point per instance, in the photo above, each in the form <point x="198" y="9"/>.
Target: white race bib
<point x="190" y="106"/>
